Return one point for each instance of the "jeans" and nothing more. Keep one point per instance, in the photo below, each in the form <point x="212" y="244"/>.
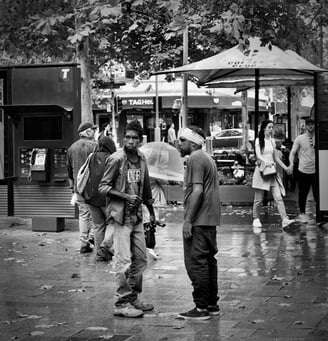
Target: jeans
<point x="201" y="265"/>
<point x="103" y="232"/>
<point x="85" y="221"/>
<point x="305" y="182"/>
<point x="130" y="261"/>
<point x="258" y="199"/>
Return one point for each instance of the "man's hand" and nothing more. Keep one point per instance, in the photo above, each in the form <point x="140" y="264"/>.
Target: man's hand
<point x="133" y="200"/>
<point x="289" y="170"/>
<point x="152" y="219"/>
<point x="186" y="230"/>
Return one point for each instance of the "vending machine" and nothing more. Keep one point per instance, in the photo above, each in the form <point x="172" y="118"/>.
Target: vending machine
<point x="42" y="111"/>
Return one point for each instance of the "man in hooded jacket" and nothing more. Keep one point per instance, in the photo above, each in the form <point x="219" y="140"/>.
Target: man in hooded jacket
<point x="103" y="231"/>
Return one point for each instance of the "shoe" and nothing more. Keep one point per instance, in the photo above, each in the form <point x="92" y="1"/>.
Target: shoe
<point x="153" y="253"/>
<point x="213" y="310"/>
<point x="257" y="223"/>
<point x="195" y="314"/>
<point x="139" y="305"/>
<point x="103" y="255"/>
<point x="287" y="222"/>
<point x="91" y="241"/>
<point x="302" y="218"/>
<point x="127" y="310"/>
<point x="86" y="249"/>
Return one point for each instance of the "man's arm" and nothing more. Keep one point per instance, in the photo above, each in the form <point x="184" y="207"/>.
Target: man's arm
<point x="292" y="154"/>
<point x="195" y="200"/>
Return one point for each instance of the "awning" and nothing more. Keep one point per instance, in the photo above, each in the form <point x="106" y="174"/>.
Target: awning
<point x="34" y="108"/>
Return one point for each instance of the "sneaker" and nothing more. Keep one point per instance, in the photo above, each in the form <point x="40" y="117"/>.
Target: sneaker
<point x="86" y="249"/>
<point x="257" y="223"/>
<point x="287" y="222"/>
<point x="195" y="314"/>
<point x="127" y="310"/>
<point x="103" y="255"/>
<point x="213" y="310"/>
<point x="139" y="305"/>
<point x="302" y="218"/>
<point x="91" y="241"/>
<point x="153" y="253"/>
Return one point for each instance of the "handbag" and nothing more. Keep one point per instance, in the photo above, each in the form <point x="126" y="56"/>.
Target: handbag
<point x="268" y="171"/>
<point x="83" y="175"/>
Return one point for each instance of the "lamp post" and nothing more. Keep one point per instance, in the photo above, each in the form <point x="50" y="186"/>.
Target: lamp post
<point x="157" y="128"/>
<point x="184" y="97"/>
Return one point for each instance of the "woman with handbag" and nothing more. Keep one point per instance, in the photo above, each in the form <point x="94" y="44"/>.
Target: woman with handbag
<point x="265" y="176"/>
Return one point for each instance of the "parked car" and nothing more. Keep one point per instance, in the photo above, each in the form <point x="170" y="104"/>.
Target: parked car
<point x="229" y="139"/>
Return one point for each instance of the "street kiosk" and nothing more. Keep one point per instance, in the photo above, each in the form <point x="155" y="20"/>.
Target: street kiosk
<point x="42" y="112"/>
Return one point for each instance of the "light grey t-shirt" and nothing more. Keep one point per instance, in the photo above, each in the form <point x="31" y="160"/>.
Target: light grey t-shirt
<point x="306" y="153"/>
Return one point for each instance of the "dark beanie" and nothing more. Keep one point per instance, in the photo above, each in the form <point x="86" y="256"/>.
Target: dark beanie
<point x="106" y="144"/>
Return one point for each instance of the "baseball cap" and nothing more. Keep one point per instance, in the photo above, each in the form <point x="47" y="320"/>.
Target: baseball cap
<point x="309" y="120"/>
<point x="86" y="125"/>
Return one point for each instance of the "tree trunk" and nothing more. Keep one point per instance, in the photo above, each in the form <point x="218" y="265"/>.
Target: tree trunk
<point x="83" y="58"/>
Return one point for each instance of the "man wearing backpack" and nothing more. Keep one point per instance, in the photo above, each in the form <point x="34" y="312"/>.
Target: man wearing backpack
<point x="77" y="154"/>
<point x="97" y="202"/>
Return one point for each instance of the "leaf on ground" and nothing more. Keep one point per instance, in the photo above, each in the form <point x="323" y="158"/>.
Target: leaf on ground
<point x="97" y="328"/>
<point x="106" y="337"/>
<point x="257" y="321"/>
<point x="298" y="322"/>
<point x="75" y="275"/>
<point x="37" y="333"/>
<point x="77" y="290"/>
<point x="46" y="287"/>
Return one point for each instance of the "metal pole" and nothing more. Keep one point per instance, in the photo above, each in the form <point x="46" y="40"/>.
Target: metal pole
<point x="184" y="97"/>
<point x="157" y="129"/>
<point x="257" y="112"/>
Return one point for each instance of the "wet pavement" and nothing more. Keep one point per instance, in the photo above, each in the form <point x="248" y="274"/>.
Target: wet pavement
<point x="272" y="286"/>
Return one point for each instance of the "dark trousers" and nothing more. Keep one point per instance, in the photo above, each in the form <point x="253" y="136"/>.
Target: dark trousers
<point x="201" y="265"/>
<point x="305" y="182"/>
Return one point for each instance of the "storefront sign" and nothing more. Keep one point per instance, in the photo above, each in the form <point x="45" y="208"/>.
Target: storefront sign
<point x="147" y="102"/>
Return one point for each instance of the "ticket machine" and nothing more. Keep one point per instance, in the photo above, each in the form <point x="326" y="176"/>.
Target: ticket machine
<point x="42" y="111"/>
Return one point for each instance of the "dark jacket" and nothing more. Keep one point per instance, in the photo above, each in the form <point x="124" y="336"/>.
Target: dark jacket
<point x="115" y="177"/>
<point x="77" y="153"/>
<point x="106" y="147"/>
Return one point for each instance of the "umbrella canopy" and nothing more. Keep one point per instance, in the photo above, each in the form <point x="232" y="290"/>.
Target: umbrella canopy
<point x="265" y="81"/>
<point x="269" y="60"/>
<point x="164" y="161"/>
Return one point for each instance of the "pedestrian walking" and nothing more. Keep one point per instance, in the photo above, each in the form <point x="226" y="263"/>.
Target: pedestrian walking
<point x="159" y="201"/>
<point x="105" y="130"/>
<point x="171" y="135"/>
<point x="304" y="149"/>
<point x="103" y="230"/>
<point x="77" y="154"/>
<point x="201" y="217"/>
<point x="126" y="185"/>
<point x="267" y="157"/>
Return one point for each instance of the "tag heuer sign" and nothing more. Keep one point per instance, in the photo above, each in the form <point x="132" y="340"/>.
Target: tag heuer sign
<point x="129" y="103"/>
